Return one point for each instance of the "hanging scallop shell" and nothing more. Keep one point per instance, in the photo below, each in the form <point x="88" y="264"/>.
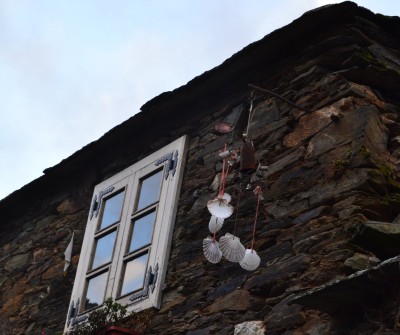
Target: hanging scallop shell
<point x="211" y="250"/>
<point x="220" y="208"/>
<point x="215" y="224"/>
<point x="250" y="261"/>
<point x="231" y="248"/>
<point x="227" y="197"/>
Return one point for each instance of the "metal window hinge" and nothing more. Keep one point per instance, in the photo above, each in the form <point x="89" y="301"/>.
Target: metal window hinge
<point x="172" y="163"/>
<point x="73" y="317"/>
<point x="97" y="201"/>
<point x="150" y="284"/>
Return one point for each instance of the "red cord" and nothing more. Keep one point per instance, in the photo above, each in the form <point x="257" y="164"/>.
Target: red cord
<point x="258" y="192"/>
<point x="224" y="176"/>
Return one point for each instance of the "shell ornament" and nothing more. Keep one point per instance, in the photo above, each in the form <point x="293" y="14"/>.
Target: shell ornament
<point x="211" y="250"/>
<point x="250" y="261"/>
<point x="227" y="197"/>
<point x="231" y="248"/>
<point x="215" y="224"/>
<point x="220" y="208"/>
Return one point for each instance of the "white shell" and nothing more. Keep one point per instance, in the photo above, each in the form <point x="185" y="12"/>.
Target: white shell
<point x="227" y="197"/>
<point x="250" y="261"/>
<point x="211" y="250"/>
<point x="231" y="248"/>
<point x="220" y="208"/>
<point x="215" y="224"/>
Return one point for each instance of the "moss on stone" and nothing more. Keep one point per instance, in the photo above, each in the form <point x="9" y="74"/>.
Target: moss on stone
<point x="389" y="173"/>
<point x="371" y="59"/>
<point x="364" y="152"/>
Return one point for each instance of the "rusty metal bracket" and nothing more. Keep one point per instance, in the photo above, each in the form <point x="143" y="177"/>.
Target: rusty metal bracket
<point x="263" y="90"/>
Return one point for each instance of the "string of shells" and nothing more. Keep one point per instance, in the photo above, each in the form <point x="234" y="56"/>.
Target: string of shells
<point x="229" y="245"/>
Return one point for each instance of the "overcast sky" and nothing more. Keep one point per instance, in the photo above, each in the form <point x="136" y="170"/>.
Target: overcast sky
<point x="70" y="70"/>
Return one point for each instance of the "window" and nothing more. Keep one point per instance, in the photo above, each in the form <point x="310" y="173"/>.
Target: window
<point x="126" y="244"/>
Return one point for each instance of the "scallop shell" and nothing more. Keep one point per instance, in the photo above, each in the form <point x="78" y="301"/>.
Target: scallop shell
<point x="227" y="197"/>
<point x="250" y="261"/>
<point x="215" y="224"/>
<point x="220" y="208"/>
<point x="211" y="250"/>
<point x="231" y="248"/>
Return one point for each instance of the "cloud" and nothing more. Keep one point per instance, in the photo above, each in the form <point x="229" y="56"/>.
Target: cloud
<point x="73" y="70"/>
<point x="135" y="273"/>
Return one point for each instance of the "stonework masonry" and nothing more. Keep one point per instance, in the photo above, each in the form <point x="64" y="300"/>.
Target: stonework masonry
<point x="333" y="169"/>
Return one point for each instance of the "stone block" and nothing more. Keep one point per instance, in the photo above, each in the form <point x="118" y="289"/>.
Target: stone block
<point x="283" y="316"/>
<point x="306" y="244"/>
<point x="285" y="161"/>
<point x="235" y="301"/>
<point x="171" y="304"/>
<point x="381" y="238"/>
<point x="277" y="251"/>
<point x="282" y="209"/>
<point x="12" y="306"/>
<point x="192" y="301"/>
<point x="307" y="216"/>
<point x="278" y="272"/>
<point x="359" y="261"/>
<point x="336" y="190"/>
<point x="264" y="113"/>
<point x="250" y="328"/>
<point x="205" y="331"/>
<point x="358" y="122"/>
<point x="314" y="327"/>
<point x="271" y="129"/>
<point x="356" y="289"/>
<point x="309" y="125"/>
<point x="225" y="288"/>
<point x="17" y="262"/>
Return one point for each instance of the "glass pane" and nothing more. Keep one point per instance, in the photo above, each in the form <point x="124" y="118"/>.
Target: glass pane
<point x="150" y="190"/>
<point x="104" y="249"/>
<point x="95" y="291"/>
<point x="135" y="272"/>
<point x="112" y="210"/>
<point x="142" y="231"/>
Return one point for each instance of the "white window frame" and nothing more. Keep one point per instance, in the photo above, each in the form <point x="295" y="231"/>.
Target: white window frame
<point x="171" y="160"/>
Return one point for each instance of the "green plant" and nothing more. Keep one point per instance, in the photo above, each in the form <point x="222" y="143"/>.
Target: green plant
<point x="388" y="171"/>
<point x="111" y="314"/>
<point x="373" y="60"/>
<point x="341" y="164"/>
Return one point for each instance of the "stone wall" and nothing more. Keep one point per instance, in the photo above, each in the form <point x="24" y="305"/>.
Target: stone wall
<point x="332" y="167"/>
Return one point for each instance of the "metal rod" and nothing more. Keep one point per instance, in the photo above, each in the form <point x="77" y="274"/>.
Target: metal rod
<point x="279" y="97"/>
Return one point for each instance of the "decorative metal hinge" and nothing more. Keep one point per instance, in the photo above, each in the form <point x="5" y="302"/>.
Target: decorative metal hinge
<point x="172" y="162"/>
<point x="73" y="317"/>
<point x="97" y="201"/>
<point x="150" y="284"/>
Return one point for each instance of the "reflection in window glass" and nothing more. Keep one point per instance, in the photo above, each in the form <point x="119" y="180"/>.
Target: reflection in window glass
<point x="150" y="190"/>
<point x="112" y="210"/>
<point x="104" y="249"/>
<point x="135" y="272"/>
<point x="95" y="291"/>
<point x="142" y="231"/>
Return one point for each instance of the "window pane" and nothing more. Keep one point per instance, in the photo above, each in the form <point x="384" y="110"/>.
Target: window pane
<point x="95" y="291"/>
<point x="104" y="249"/>
<point x="135" y="272"/>
<point x="112" y="210"/>
<point x="142" y="231"/>
<point x="150" y="190"/>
